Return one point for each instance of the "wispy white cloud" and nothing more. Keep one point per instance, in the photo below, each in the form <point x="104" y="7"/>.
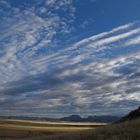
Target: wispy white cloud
<point x="104" y="34"/>
<point x="87" y="73"/>
<point x="27" y="33"/>
<point x="133" y="41"/>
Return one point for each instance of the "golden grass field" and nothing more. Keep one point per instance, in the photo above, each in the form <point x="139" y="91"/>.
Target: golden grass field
<point x="11" y="129"/>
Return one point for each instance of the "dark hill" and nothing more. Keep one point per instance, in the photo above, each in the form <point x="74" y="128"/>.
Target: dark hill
<point x="132" y="115"/>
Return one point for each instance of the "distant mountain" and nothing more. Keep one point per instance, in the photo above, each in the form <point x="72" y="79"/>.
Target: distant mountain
<point x="72" y="118"/>
<point x="77" y="118"/>
<point x="27" y="118"/>
<point x="132" y="115"/>
<point x="105" y="118"/>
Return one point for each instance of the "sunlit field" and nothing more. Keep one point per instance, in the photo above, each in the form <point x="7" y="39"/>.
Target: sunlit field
<point x="45" y="130"/>
<point x="27" y="129"/>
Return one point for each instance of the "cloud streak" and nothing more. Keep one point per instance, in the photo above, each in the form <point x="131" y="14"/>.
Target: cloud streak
<point x="39" y="76"/>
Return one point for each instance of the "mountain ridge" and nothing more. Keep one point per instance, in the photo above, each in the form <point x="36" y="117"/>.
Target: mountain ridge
<point x="71" y="118"/>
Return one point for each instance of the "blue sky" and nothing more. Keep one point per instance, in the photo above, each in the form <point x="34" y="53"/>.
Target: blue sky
<point x="69" y="57"/>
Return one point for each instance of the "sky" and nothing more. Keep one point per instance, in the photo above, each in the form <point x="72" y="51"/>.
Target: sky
<point x="63" y="57"/>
